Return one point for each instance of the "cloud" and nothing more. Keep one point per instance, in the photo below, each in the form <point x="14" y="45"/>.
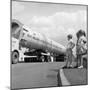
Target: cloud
<point x="41" y="22"/>
<point x="59" y="24"/>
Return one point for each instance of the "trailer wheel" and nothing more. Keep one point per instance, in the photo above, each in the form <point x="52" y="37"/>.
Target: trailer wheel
<point x="42" y="59"/>
<point x="15" y="57"/>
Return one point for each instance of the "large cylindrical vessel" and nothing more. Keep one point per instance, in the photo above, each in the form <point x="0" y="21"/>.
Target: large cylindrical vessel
<point x="33" y="40"/>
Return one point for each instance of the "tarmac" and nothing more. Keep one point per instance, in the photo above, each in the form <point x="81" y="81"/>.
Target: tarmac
<point x="40" y="75"/>
<point x="73" y="77"/>
<point x="35" y="75"/>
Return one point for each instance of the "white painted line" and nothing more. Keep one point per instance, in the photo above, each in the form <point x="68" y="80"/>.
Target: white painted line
<point x="64" y="80"/>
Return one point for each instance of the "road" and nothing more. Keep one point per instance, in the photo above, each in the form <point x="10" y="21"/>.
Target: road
<point x="76" y="76"/>
<point x="35" y="75"/>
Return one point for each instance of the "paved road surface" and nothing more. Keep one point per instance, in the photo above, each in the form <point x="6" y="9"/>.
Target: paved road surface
<point x="35" y="75"/>
<point x="29" y="75"/>
<point x="76" y="76"/>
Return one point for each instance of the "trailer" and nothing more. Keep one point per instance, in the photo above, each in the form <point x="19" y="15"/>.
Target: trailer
<point x="28" y="45"/>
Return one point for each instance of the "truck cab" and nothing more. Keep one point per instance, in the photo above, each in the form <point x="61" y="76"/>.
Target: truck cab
<point x="16" y="29"/>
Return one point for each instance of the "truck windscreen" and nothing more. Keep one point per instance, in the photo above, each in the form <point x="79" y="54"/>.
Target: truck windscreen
<point x="15" y="30"/>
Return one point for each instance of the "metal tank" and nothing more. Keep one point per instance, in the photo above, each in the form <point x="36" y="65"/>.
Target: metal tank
<point x="34" y="40"/>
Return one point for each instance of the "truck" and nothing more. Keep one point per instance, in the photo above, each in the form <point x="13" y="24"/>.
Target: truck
<point x="28" y="45"/>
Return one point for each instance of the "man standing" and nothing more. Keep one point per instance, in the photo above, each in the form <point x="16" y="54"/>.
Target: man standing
<point x="69" y="52"/>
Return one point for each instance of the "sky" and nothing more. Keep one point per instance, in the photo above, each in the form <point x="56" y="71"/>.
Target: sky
<point x="56" y="21"/>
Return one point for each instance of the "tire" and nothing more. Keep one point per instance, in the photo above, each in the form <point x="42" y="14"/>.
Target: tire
<point x="15" y="57"/>
<point x="42" y="59"/>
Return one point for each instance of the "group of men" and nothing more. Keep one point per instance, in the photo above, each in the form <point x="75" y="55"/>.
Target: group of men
<point x="81" y="50"/>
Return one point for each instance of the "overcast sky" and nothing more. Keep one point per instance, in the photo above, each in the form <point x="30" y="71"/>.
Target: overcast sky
<point x="53" y="20"/>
